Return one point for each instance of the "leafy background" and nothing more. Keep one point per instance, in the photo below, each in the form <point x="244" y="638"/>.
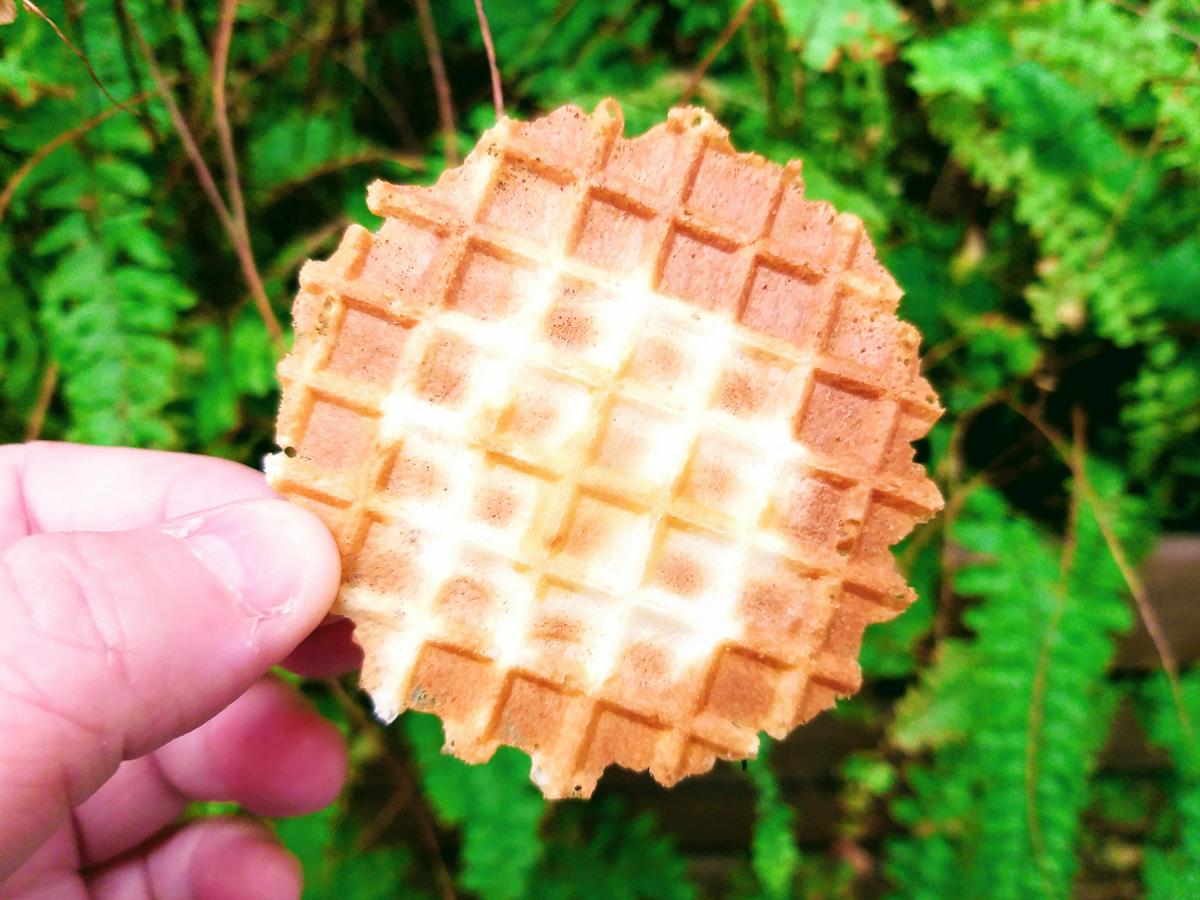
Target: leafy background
<point x="1030" y="171"/>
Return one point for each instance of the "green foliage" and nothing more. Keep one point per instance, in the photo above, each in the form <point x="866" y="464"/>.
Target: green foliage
<point x="496" y="806"/>
<point x="617" y="855"/>
<point x="823" y="31"/>
<point x="774" y="856"/>
<point x="335" y="868"/>
<point x="1016" y="716"/>
<point x="1030" y="172"/>
<point x="1173" y="870"/>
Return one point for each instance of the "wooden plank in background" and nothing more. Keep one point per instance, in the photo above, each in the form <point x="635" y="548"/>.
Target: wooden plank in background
<point x="1172" y="577"/>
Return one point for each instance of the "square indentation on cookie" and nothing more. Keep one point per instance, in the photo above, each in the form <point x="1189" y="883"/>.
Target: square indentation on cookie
<point x="417" y="471"/>
<point x="626" y="740"/>
<point x="388" y="559"/>
<point x="888" y="520"/>
<point x="402" y="275"/>
<point x="786" y="303"/>
<point x="784" y="608"/>
<point x="758" y="386"/>
<point x="733" y="189"/>
<point x="525" y="201"/>
<point x="532" y="714"/>
<point x="485" y="596"/>
<point x="807" y="229"/>
<point x="674" y="360"/>
<point x="567" y="626"/>
<point x="727" y="479"/>
<point x="702" y="269"/>
<point x="641" y="449"/>
<point x="491" y="284"/>
<point x="505" y="504"/>
<point x="336" y="437"/>
<point x="870" y="335"/>
<point x="741" y="687"/>
<point x="602" y="544"/>
<point x="691" y="565"/>
<point x="588" y="321"/>
<point x="845" y="421"/>
<point x="368" y="346"/>
<point x="813" y="508"/>
<point x="450" y="682"/>
<point x="613" y="234"/>
<point x="546" y="420"/>
<point x="453" y="380"/>
<point x="657" y="166"/>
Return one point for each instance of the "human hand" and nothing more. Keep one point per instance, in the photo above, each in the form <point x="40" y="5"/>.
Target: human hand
<point x="143" y="597"/>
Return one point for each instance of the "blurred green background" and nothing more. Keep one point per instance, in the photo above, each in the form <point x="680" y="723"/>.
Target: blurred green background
<point x="1031" y="174"/>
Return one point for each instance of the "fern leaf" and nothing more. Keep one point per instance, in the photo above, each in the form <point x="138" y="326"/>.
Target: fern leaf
<point x="496" y="806"/>
<point x="602" y="850"/>
<point x="1030" y="701"/>
<point x="774" y="854"/>
<point x="1174" y="871"/>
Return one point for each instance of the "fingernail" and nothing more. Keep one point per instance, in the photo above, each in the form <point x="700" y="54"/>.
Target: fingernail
<point x="261" y="549"/>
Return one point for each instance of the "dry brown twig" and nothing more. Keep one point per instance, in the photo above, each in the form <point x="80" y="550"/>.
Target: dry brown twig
<point x="220" y="66"/>
<point x="37" y="416"/>
<point x="33" y="8"/>
<point x="441" y="84"/>
<point x="38" y="156"/>
<point x="241" y="246"/>
<point x="1037" y="707"/>
<point x="1133" y="581"/>
<point x="736" y="21"/>
<point x="490" y="48"/>
<point x="233" y="184"/>
<point x="1145" y="14"/>
<point x="416" y="163"/>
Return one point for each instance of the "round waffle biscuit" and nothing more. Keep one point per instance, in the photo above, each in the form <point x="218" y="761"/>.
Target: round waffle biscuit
<point x="615" y="436"/>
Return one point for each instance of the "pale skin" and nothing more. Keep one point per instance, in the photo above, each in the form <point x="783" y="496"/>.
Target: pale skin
<point x="143" y="598"/>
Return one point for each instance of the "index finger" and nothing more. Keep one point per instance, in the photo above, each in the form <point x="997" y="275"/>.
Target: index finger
<point x="47" y="487"/>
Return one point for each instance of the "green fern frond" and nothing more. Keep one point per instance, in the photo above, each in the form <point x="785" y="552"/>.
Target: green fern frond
<point x="604" y="850"/>
<point x="1174" y="870"/>
<point x="1016" y="715"/>
<point x="495" y="804"/>
<point x="774" y="855"/>
<point x="1023" y="129"/>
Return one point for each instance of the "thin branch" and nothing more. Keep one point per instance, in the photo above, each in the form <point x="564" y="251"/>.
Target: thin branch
<point x="1133" y="581"/>
<point x="307" y="246"/>
<point x="387" y="814"/>
<point x="220" y="65"/>
<point x="390" y="106"/>
<point x="208" y="184"/>
<point x="441" y="84"/>
<point x="1125" y="203"/>
<point x="1037" y="706"/>
<point x="403" y="773"/>
<point x="1145" y="14"/>
<point x="33" y="8"/>
<point x="37" y="416"/>
<point x="538" y="37"/>
<point x="486" y="31"/>
<point x="736" y="21"/>
<point x="38" y="156"/>
<point x="416" y="163"/>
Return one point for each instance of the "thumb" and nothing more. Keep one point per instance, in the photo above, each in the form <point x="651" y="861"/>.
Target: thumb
<point x="112" y="644"/>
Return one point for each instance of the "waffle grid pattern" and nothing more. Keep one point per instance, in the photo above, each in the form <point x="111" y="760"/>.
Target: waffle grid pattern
<point x="615" y="436"/>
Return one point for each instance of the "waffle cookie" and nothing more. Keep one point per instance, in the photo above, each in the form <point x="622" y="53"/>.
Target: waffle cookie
<point x="614" y="435"/>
